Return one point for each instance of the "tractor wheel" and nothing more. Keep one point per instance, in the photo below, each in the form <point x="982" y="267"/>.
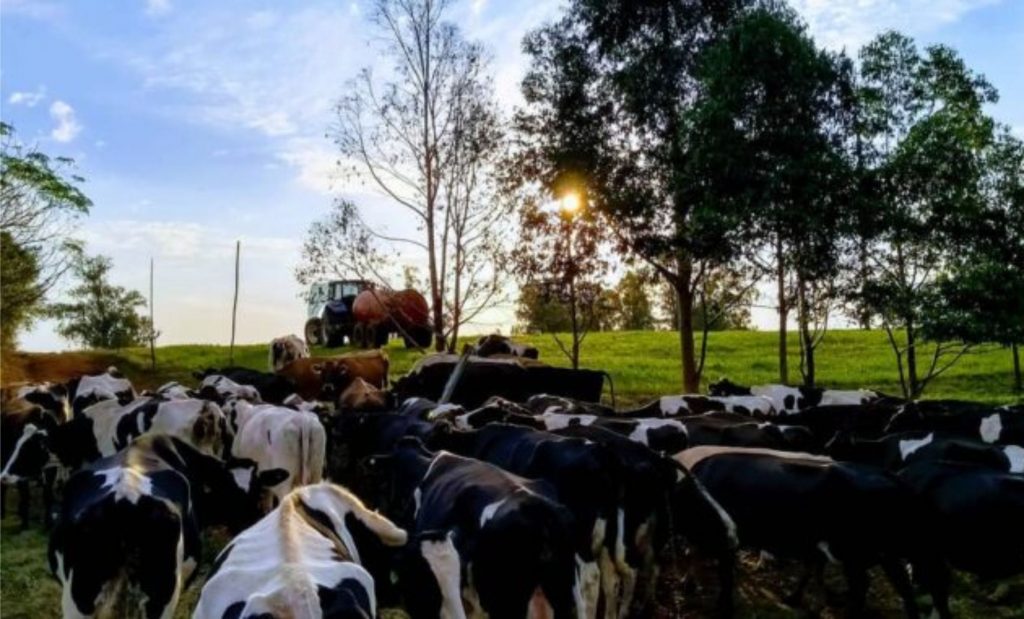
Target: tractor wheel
<point x="315" y="332"/>
<point x="381" y="339"/>
<point x="335" y="338"/>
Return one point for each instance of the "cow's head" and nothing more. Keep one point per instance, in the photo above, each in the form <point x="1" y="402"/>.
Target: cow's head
<point x="31" y="454"/>
<point x="362" y="396"/>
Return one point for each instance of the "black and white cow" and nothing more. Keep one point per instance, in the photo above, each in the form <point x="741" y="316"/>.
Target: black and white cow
<point x="128" y="536"/>
<point x="245" y="383"/>
<point x="588" y="481"/>
<point x="694" y="404"/>
<point x="278" y="438"/>
<point x="51" y="397"/>
<point x="495" y="344"/>
<point x="172" y="391"/>
<point x="307" y="558"/>
<point x="25" y="457"/>
<point x="974" y="515"/>
<point x="661" y="499"/>
<point x="895" y="451"/>
<point x="786" y="399"/>
<point x="485" y="542"/>
<point x="200" y="422"/>
<point x="88" y="390"/>
<point x="814" y="509"/>
<point x="989" y="425"/>
<point x="823" y="422"/>
<point x="285" y="349"/>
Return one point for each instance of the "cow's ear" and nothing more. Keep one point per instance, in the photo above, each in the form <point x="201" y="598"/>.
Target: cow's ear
<point x="271" y="477"/>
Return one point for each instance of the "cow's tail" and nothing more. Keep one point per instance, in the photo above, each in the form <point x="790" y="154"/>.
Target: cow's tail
<point x="313" y="443"/>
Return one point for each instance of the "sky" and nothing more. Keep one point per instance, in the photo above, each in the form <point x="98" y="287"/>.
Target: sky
<point x="199" y="124"/>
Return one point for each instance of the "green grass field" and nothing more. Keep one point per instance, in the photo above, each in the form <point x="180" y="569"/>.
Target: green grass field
<point x="646" y="364"/>
<point x="643" y="365"/>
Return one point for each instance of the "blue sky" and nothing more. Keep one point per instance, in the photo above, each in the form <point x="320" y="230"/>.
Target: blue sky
<point x="199" y="123"/>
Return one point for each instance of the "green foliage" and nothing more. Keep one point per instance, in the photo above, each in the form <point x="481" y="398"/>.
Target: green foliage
<point x="724" y="304"/>
<point x="20" y="294"/>
<point x="100" y="314"/>
<point x="40" y="205"/>
<point x="634" y="295"/>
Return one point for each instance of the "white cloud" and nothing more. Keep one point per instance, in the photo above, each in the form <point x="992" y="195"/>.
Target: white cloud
<point x="67" y="124"/>
<point x="158" y="7"/>
<point x="852" y="23"/>
<point x="28" y="99"/>
<point x="478" y="6"/>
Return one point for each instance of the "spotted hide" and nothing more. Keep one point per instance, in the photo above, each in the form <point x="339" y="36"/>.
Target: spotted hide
<point x="485" y="542"/>
<point x="275" y="437"/>
<point x="128" y="535"/>
<point x="307" y="559"/>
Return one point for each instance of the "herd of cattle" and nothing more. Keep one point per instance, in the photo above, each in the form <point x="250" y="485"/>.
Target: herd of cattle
<point x="544" y="507"/>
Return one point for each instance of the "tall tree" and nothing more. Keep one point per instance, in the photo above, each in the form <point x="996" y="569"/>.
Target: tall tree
<point x="771" y="119"/>
<point x="100" y="314"/>
<point x="561" y="259"/>
<point x="981" y="298"/>
<point x="635" y="300"/>
<point x="41" y="204"/>
<point x="607" y="91"/>
<point x="927" y="132"/>
<point x="428" y="139"/>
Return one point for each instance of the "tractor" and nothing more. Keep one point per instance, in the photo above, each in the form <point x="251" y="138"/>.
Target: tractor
<point x="365" y="314"/>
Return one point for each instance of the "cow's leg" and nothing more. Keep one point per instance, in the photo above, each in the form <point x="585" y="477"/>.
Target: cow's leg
<point x="49" y="478"/>
<point x="857" y="589"/>
<point x="160" y="576"/>
<point x="24" y="494"/>
<point x="609" y="584"/>
<point x="935" y="578"/>
<point x="896" y="572"/>
<point x="814" y="567"/>
<point x="726" y="584"/>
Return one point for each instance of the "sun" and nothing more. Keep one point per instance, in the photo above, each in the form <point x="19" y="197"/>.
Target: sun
<point x="571" y="202"/>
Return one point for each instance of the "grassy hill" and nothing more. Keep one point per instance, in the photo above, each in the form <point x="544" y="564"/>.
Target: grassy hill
<point x="641" y="364"/>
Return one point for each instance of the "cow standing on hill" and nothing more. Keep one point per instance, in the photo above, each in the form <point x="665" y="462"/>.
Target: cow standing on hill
<point x="285" y="349"/>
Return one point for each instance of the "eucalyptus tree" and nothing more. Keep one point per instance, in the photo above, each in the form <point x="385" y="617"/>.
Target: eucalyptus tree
<point x="926" y="135"/>
<point x="607" y="94"/>
<point x="769" y="137"/>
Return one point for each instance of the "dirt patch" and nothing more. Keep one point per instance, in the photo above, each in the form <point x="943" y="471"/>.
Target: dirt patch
<point x="20" y="367"/>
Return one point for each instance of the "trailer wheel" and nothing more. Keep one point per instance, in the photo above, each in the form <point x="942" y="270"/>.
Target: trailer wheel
<point x="379" y="336"/>
<point x="315" y="332"/>
<point x="421" y="337"/>
<point x="359" y="335"/>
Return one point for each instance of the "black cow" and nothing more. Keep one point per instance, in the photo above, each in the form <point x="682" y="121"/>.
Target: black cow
<point x="586" y="477"/>
<point x="975" y="515"/>
<point x="130" y="525"/>
<point x="661" y="500"/>
<point x="480" y="534"/>
<point x="510" y="378"/>
<point x="85" y="391"/>
<point x="495" y="344"/>
<point x="273" y="388"/>
<point x="823" y="422"/>
<point x="1001" y="426"/>
<point x="785" y="398"/>
<point x="814" y="509"/>
<point x="895" y="451"/>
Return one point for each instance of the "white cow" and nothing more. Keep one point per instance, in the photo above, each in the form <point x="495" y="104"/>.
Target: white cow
<point x="276" y="437"/>
<point x="285" y="349"/>
<point x="300" y="561"/>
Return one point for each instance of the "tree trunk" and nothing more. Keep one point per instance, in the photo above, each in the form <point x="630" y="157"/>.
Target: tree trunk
<point x="915" y="389"/>
<point x="783" y="313"/>
<point x="863" y="313"/>
<point x="806" y="339"/>
<point x="1017" y="384"/>
<point x="684" y="295"/>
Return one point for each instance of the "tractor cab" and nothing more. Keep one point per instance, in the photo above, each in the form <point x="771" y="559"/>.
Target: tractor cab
<point x="329" y="310"/>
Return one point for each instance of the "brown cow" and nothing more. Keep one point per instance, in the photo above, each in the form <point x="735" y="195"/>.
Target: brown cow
<point x="323" y="378"/>
<point x="362" y="396"/>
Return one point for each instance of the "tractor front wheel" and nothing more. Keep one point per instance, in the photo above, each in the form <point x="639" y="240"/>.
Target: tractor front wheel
<point x="315" y="332"/>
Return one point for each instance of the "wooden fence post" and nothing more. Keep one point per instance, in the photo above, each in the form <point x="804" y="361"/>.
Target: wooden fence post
<point x="234" y="306"/>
